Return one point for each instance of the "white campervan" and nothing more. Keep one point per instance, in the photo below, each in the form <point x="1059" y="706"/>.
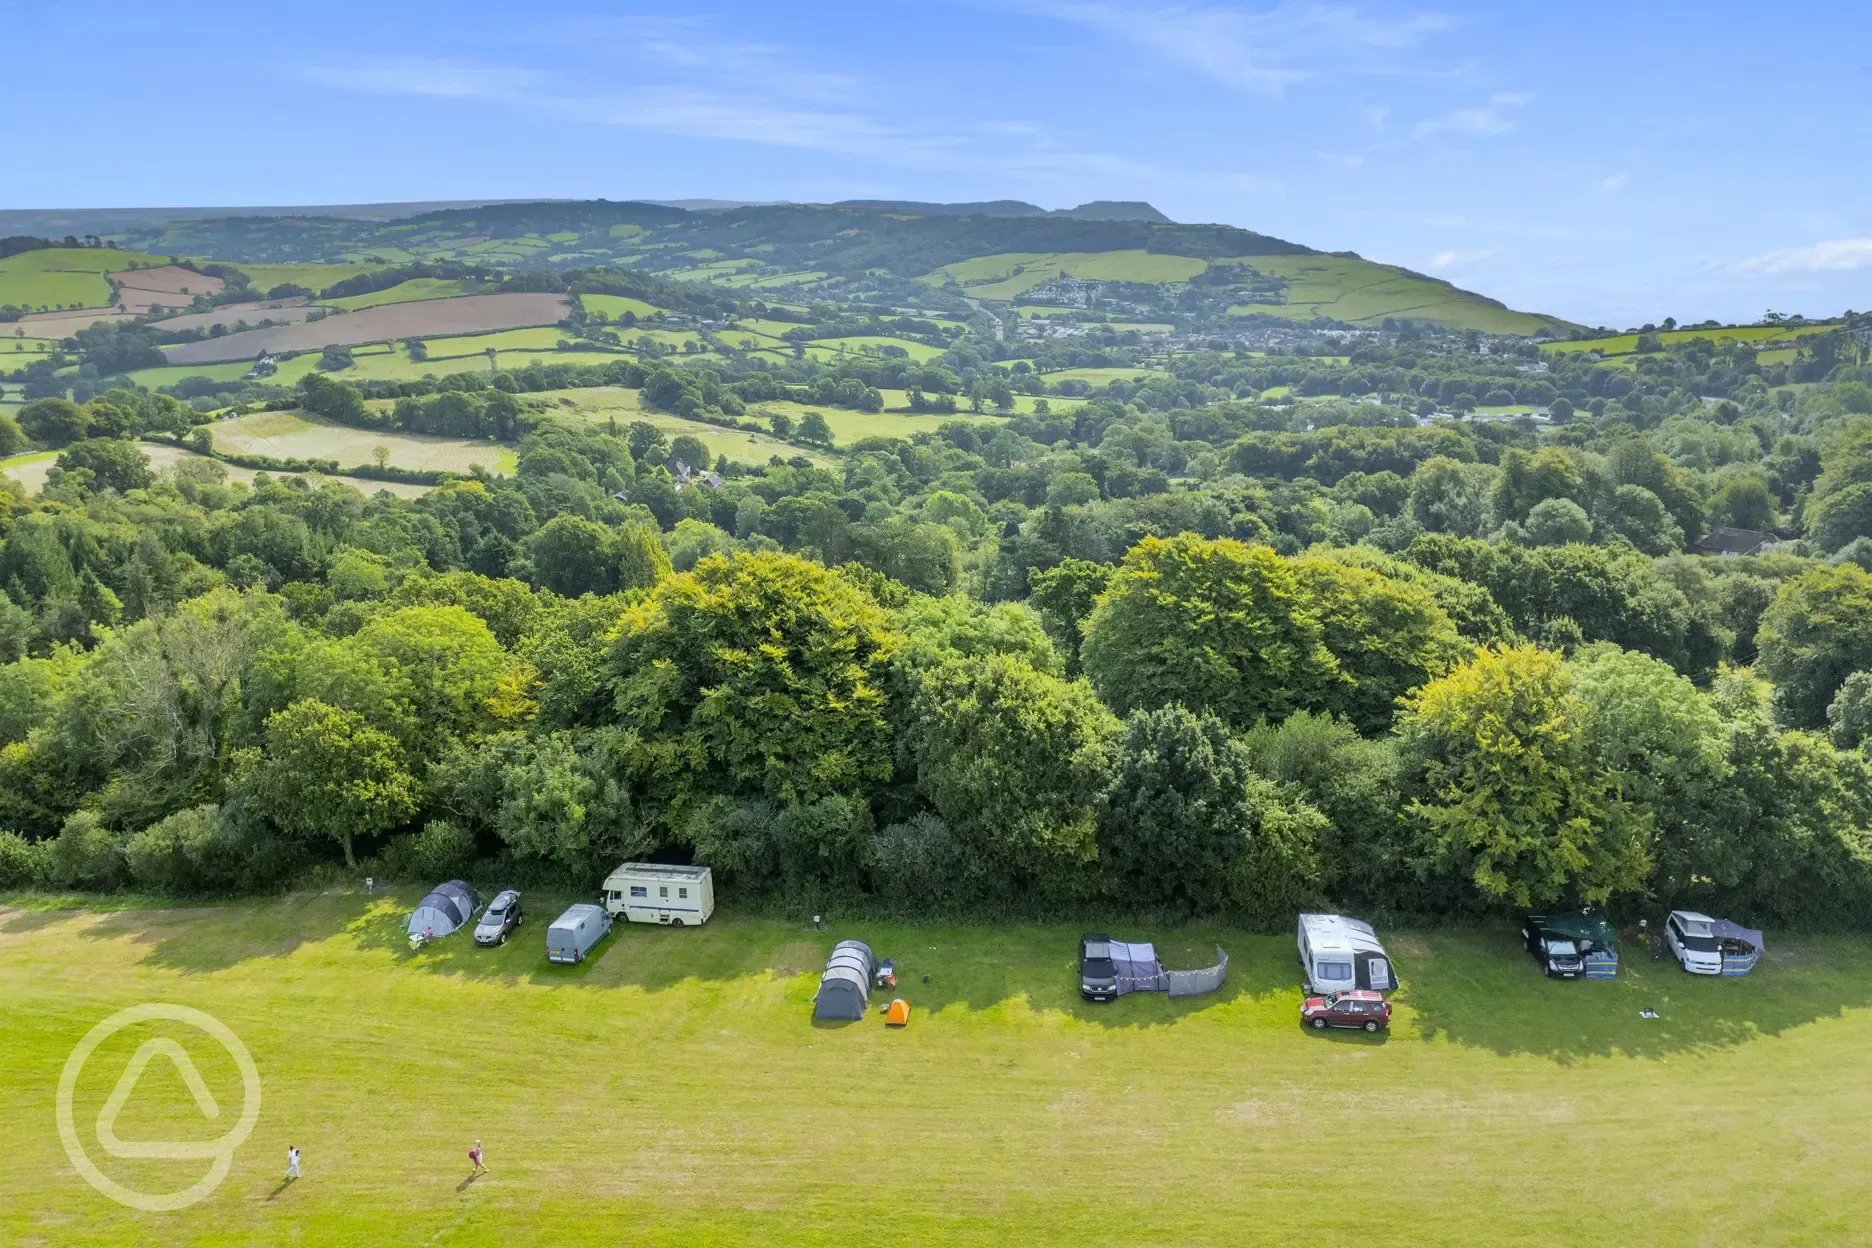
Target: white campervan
<point x="1338" y="954"/>
<point x="1693" y="942"/>
<point x="654" y="892"/>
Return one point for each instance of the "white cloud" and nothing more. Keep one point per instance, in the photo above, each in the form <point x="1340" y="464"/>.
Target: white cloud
<point x="1837" y="255"/>
<point x="1266" y="52"/>
<point x="1484" y="122"/>
<point x="1460" y="259"/>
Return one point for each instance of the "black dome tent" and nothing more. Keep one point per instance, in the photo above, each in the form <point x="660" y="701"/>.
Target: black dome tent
<point x="845" y="989"/>
<point x="446" y="908"/>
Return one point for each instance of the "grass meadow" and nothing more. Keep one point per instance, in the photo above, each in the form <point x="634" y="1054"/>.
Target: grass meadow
<point x="297" y="435"/>
<point x="673" y="1089"/>
<point x="64" y="277"/>
<point x="409" y="292"/>
<point x="1626" y="344"/>
<point x="1346" y="288"/>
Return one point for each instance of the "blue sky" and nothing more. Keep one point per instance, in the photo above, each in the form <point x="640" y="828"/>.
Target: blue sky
<point x="1609" y="163"/>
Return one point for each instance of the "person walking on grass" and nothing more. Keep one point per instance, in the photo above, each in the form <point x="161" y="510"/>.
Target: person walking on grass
<point x="475" y="1156"/>
<point x="292" y="1162"/>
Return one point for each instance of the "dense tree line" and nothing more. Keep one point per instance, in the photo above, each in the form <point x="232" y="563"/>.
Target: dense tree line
<point x="1209" y="659"/>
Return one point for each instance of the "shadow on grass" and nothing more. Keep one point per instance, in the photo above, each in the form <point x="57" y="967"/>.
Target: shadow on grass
<point x="201" y="939"/>
<point x="1480" y="989"/>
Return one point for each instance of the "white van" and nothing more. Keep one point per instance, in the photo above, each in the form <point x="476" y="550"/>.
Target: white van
<point x="574" y="933"/>
<point x="1338" y="954"/>
<point x="653" y="892"/>
<point x="1693" y="942"/>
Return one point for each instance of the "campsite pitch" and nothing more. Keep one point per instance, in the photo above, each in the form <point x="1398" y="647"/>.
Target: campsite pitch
<point x="674" y="1089"/>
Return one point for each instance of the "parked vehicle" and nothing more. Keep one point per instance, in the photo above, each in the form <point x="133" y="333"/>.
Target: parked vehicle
<point x="1693" y="942"/>
<point x="1338" y="954"/>
<point x="1359" y="1008"/>
<point x="1559" y="955"/>
<point x="655" y="892"/>
<point x="573" y="933"/>
<point x="502" y="917"/>
<point x="1098" y="976"/>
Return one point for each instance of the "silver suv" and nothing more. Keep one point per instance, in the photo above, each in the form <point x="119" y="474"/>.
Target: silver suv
<point x="502" y="916"/>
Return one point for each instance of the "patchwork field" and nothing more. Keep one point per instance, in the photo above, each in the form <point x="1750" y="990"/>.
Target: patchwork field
<point x="165" y="286"/>
<point x="294" y="308"/>
<point x="64" y="277"/>
<point x="848" y="426"/>
<point x="614" y="306"/>
<point x="918" y="351"/>
<point x="61" y="325"/>
<point x="675" y="1085"/>
<point x="408" y="292"/>
<point x="468" y="314"/>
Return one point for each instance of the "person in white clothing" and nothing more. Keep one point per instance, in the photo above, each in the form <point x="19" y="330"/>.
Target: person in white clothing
<point x="292" y="1162"/>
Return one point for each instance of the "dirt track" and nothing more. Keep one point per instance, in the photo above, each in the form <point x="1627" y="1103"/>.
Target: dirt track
<point x="465" y="315"/>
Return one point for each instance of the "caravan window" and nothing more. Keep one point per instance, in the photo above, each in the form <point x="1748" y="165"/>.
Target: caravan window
<point x="1334" y="970"/>
<point x="638" y="890"/>
<point x="663" y="891"/>
<point x="682" y="892"/>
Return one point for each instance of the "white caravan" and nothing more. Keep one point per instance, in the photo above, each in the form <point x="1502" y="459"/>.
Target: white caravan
<point x="653" y="892"/>
<point x="1338" y="954"/>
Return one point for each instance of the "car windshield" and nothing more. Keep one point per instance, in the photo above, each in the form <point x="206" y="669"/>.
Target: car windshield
<point x="1562" y="948"/>
<point x="1099" y="968"/>
<point x="1699" y="944"/>
<point x="495" y="915"/>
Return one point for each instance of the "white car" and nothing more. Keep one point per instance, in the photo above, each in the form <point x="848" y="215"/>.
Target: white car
<point x="1693" y="943"/>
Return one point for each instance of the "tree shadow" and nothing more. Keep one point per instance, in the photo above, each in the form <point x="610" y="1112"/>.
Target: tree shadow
<point x="201" y="939"/>
<point x="1481" y="989"/>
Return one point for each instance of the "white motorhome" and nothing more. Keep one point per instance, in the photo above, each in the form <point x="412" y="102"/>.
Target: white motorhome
<point x="1338" y="954"/>
<point x="654" y="892"/>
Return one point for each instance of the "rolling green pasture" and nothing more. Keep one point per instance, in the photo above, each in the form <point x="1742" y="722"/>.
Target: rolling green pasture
<point x="674" y="1090"/>
<point x="313" y="277"/>
<point x="848" y="427"/>
<point x="1626" y="344"/>
<point x="604" y="404"/>
<point x="64" y="277"/>
<point x="615" y="306"/>
<point x="1346" y="288"/>
<point x="539" y="338"/>
<point x="1101" y="376"/>
<point x="1013" y="273"/>
<point x="918" y="351"/>
<point x="417" y="288"/>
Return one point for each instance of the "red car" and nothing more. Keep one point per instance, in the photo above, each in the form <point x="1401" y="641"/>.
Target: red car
<point x="1359" y="1008"/>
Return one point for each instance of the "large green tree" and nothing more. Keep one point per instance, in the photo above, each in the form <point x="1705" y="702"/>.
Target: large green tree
<point x="1213" y="625"/>
<point x="755" y="674"/>
<point x="1816" y="634"/>
<point x="326" y="772"/>
<point x="1508" y="792"/>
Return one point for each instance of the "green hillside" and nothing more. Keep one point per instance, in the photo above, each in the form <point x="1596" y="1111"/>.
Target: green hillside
<point x="51" y="278"/>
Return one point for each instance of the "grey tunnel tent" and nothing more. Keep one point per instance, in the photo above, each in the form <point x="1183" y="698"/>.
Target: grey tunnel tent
<point x="446" y="908"/>
<point x="845" y="988"/>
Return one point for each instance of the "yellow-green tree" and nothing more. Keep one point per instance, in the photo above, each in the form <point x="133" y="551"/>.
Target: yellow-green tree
<point x="1509" y="793"/>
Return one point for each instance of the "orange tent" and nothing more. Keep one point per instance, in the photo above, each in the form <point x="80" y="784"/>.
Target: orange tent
<point x="899" y="1013"/>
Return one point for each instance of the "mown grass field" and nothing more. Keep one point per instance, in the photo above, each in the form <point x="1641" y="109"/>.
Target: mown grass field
<point x="30" y="470"/>
<point x="674" y="1090"/>
<point x="849" y="426"/>
<point x="297" y="435"/>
